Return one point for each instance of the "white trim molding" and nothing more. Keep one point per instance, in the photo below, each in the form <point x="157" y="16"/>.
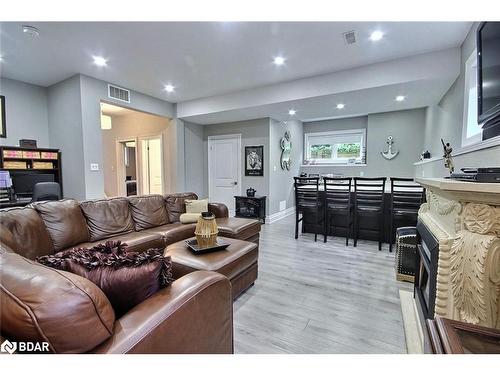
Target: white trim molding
<point x="280" y="215"/>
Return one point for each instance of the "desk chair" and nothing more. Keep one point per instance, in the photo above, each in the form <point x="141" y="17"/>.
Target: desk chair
<point x="46" y="191"/>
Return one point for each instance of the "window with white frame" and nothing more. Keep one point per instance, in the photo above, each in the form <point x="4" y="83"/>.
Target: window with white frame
<point x="336" y="147"/>
<point x="471" y="132"/>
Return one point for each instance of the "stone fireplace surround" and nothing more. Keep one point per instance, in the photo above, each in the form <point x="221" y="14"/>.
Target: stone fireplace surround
<point x="464" y="217"/>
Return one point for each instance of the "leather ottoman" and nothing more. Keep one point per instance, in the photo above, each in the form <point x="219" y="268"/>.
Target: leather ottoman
<point x="240" y="228"/>
<point x="238" y="262"/>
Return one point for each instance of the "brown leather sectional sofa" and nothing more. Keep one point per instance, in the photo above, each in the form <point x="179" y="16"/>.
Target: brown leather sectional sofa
<point x="192" y="315"/>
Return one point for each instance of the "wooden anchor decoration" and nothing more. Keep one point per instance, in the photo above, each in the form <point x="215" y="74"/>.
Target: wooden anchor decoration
<point x="389" y="153"/>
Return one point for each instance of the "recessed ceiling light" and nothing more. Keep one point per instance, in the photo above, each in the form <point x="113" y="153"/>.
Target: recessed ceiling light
<point x="100" y="61"/>
<point x="292" y="112"/>
<point x="279" y="60"/>
<point x="169" y="88"/>
<point x="31" y="30"/>
<point x="376" y="35"/>
<point x="400" y="98"/>
<point x="340" y="106"/>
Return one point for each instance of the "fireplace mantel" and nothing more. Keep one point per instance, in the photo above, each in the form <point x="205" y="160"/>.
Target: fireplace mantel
<point x="465" y="219"/>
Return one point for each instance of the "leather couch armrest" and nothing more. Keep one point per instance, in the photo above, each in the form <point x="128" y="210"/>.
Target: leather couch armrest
<point x="192" y="315"/>
<point x="218" y="209"/>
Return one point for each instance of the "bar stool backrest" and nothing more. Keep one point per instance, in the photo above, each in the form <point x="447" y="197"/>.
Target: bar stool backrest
<point x="337" y="191"/>
<point x="369" y="191"/>
<point x="406" y="194"/>
<point x="306" y="192"/>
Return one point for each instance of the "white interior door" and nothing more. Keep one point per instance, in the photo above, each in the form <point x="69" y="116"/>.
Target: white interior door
<point x="224" y="169"/>
<point x="151" y="165"/>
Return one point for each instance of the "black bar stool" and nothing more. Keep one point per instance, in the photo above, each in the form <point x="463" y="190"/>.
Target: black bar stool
<point x="406" y="198"/>
<point x="306" y="199"/>
<point x="337" y="202"/>
<point x="369" y="202"/>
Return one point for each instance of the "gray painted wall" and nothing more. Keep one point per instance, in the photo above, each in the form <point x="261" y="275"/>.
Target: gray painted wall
<point x="26" y="112"/>
<point x="445" y="120"/>
<point x="281" y="181"/>
<point x="253" y="133"/>
<point x="92" y="92"/>
<point x="194" y="159"/>
<point x="65" y="133"/>
<point x="405" y="126"/>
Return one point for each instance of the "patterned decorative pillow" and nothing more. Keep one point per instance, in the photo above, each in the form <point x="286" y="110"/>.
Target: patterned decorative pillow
<point x="196" y="206"/>
<point x="126" y="278"/>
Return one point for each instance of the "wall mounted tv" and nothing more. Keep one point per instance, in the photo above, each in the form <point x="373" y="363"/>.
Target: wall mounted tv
<point x="488" y="79"/>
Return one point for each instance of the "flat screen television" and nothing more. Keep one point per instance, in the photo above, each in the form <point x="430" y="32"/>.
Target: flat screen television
<point x="488" y="79"/>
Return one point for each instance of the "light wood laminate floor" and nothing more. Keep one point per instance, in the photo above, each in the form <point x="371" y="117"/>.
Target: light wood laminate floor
<point x="312" y="297"/>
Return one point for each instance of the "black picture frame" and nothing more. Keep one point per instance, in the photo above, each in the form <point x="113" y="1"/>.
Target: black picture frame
<point x="254" y="160"/>
<point x="3" y="123"/>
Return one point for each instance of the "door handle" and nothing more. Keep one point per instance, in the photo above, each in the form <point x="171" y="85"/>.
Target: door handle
<point x="235" y="183"/>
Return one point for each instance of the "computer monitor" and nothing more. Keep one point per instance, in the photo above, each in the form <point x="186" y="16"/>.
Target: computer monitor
<point x="23" y="183"/>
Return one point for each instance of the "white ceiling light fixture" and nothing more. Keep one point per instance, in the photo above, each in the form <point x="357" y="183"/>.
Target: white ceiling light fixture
<point x="279" y="60"/>
<point x="340" y="106"/>
<point x="169" y="88"/>
<point x="376" y="35"/>
<point x="292" y="112"/>
<point x="106" y="122"/>
<point x="400" y="98"/>
<point x="31" y="30"/>
<point x="100" y="61"/>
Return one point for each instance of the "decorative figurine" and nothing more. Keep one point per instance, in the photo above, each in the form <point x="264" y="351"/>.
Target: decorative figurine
<point x="286" y="150"/>
<point x="448" y="159"/>
<point x="389" y="154"/>
<point x="251" y="192"/>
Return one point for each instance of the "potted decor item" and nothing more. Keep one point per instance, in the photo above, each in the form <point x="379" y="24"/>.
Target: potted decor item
<point x="251" y="192"/>
<point x="206" y="230"/>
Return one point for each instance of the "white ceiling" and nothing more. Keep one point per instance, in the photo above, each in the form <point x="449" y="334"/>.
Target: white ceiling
<point x="211" y="58"/>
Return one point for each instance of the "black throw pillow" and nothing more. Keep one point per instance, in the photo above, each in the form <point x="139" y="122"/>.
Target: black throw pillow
<point x="126" y="278"/>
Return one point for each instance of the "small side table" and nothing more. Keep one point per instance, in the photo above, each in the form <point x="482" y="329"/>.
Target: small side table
<point x="251" y="207"/>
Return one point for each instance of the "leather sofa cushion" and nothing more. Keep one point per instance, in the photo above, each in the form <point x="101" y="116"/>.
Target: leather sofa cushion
<point x="43" y="304"/>
<point x="107" y="217"/>
<point x="64" y="221"/>
<point x="232" y="261"/>
<point x="136" y="241"/>
<point x="173" y="232"/>
<point x="148" y="211"/>
<point x="176" y="205"/>
<point x="23" y="230"/>
<point x="240" y="228"/>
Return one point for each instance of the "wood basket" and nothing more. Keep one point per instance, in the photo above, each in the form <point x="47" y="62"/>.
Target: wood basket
<point x="206" y="230"/>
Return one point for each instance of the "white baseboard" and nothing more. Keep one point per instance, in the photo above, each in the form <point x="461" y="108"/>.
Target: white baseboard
<point x="280" y="215"/>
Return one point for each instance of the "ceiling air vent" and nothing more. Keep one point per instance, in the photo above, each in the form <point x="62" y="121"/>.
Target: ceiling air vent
<point x="350" y="37"/>
<point x="118" y="93"/>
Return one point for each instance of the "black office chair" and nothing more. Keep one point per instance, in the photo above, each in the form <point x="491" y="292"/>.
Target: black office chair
<point x="337" y="203"/>
<point x="369" y="202"/>
<point x="306" y="199"/>
<point x="406" y="198"/>
<point x="46" y="191"/>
